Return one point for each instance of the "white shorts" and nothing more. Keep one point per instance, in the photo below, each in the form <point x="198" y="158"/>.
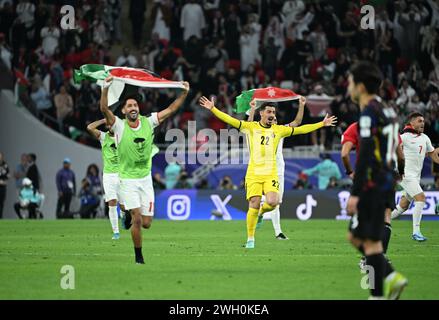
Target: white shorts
<point x="138" y="193"/>
<point x="111" y="184"/>
<point x="411" y="189"/>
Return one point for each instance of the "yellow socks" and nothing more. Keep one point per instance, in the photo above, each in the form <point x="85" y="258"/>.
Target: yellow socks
<point x="266" y="208"/>
<point x="252" y="220"/>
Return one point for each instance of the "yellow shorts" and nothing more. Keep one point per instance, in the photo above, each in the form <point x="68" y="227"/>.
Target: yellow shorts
<point x="261" y="186"/>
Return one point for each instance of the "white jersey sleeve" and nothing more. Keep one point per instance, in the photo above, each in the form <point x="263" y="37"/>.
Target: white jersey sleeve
<point x="117" y="128"/>
<point x="154" y="119"/>
<point x="101" y="137"/>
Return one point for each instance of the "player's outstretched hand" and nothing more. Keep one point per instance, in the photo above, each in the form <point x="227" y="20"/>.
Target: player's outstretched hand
<point x="330" y="121"/>
<point x="186" y="86"/>
<point x="206" y="103"/>
<point x="253" y="104"/>
<point x="302" y="101"/>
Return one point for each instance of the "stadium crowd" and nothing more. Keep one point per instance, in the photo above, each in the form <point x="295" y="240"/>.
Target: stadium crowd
<point x="222" y="48"/>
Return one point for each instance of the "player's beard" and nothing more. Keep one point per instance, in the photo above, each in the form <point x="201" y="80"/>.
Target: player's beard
<point x="132" y="116"/>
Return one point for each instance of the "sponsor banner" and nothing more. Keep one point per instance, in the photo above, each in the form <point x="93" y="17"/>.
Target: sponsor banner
<point x="231" y="205"/>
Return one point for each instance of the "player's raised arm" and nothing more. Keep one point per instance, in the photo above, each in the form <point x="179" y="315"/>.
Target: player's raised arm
<point x="174" y="106"/>
<point x="307" y="128"/>
<point x="92" y="128"/>
<point x="299" y="116"/>
<point x="251" y="115"/>
<point x="108" y="114"/>
<point x="210" y="105"/>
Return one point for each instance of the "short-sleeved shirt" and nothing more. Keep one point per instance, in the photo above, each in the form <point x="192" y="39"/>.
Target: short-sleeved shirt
<point x="135" y="146"/>
<point x="415" y="147"/>
<point x="119" y="125"/>
<point x="263" y="143"/>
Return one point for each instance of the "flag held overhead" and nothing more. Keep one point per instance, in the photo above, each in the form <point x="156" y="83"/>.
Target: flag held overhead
<point x="122" y="76"/>
<point x="271" y="94"/>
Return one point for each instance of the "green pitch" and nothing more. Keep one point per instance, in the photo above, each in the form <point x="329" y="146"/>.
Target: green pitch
<point x="203" y="260"/>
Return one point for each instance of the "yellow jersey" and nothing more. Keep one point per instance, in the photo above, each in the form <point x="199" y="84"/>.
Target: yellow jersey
<point x="262" y="143"/>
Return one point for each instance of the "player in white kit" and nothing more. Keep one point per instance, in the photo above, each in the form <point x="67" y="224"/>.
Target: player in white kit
<point x="275" y="214"/>
<point x="416" y="145"/>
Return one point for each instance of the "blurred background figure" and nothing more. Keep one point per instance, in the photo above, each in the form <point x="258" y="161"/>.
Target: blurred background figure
<point x="172" y="174"/>
<point x="325" y="170"/>
<point x="302" y="182"/>
<point x="89" y="200"/>
<point x="29" y="199"/>
<point x="4" y="176"/>
<point x="21" y="171"/>
<point x="226" y="183"/>
<point x="66" y="185"/>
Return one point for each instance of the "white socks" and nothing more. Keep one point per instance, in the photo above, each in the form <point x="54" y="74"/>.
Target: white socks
<point x="397" y="212"/>
<point x="112" y="214"/>
<point x="275" y="219"/>
<point x="417" y="216"/>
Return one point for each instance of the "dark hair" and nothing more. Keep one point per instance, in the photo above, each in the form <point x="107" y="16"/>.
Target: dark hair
<point x="267" y="104"/>
<point x="368" y="74"/>
<point x="414" y="115"/>
<point x="90" y="167"/>
<point x="134" y="96"/>
<point x="33" y="157"/>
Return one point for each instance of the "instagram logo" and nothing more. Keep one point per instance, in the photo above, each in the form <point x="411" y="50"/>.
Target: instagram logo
<point x="179" y="207"/>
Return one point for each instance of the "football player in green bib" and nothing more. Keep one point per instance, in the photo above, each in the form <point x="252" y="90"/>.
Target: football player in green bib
<point x="134" y="141"/>
<point x="110" y="178"/>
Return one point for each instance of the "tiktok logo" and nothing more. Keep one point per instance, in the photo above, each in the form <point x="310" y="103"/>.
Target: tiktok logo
<point x="304" y="210"/>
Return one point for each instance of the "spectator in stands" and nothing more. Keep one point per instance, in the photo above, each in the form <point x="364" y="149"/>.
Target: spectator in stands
<point x="192" y="20"/>
<point x="29" y="199"/>
<point x="302" y="182"/>
<point x="40" y="97"/>
<point x="66" y="185"/>
<point x="5" y="52"/>
<point x="226" y="183"/>
<point x="406" y="93"/>
<point x="89" y="200"/>
<point x="325" y="170"/>
<point x="172" y="174"/>
<point x="20" y="171"/>
<point x="50" y="35"/>
<point x="433" y="102"/>
<point x="162" y="17"/>
<point x="33" y="173"/>
<point x="64" y="106"/>
<point x="126" y="59"/>
<point x="4" y="176"/>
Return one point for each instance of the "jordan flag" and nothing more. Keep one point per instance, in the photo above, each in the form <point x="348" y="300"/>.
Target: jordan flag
<point x="122" y="77"/>
<point x="270" y="94"/>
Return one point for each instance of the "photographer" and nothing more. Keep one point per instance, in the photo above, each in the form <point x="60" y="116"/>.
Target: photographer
<point x="28" y="199"/>
<point x="226" y="183"/>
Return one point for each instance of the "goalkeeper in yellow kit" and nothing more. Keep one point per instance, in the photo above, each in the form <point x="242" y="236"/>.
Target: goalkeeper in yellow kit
<point x="262" y="140"/>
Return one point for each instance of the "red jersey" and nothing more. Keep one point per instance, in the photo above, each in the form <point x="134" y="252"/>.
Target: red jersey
<point x="351" y="134"/>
